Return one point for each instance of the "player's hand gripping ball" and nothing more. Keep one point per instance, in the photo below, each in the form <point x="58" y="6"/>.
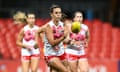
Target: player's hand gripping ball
<point x="75" y="27"/>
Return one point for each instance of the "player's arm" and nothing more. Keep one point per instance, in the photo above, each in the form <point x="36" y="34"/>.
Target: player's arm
<point x="38" y="34"/>
<point x="88" y="35"/>
<point x="42" y="36"/>
<point x="37" y="37"/>
<point x="49" y="35"/>
<point x="68" y="28"/>
<point x="87" y="38"/>
<point x="20" y="38"/>
<point x="68" y="40"/>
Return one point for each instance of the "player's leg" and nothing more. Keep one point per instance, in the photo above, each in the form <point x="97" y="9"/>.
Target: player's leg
<point x="64" y="60"/>
<point x="25" y="60"/>
<point x="52" y="69"/>
<point x="72" y="61"/>
<point x="57" y="64"/>
<point x="83" y="65"/>
<point x="35" y="59"/>
<point x="73" y="66"/>
<point x="66" y="64"/>
<point x="34" y="63"/>
<point x="25" y="63"/>
<point x="47" y="60"/>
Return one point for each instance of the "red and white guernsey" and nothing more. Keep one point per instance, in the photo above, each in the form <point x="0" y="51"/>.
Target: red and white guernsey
<point x="78" y="47"/>
<point x="29" y="39"/>
<point x="57" y="32"/>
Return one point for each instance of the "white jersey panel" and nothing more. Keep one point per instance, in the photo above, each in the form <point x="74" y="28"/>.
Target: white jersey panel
<point x="29" y="39"/>
<point x="75" y="49"/>
<point x="48" y="49"/>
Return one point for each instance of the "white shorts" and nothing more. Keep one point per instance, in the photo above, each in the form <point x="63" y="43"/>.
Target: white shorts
<point x="28" y="54"/>
<point x="73" y="55"/>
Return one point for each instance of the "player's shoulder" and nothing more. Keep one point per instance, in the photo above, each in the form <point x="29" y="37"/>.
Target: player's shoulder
<point x="60" y="22"/>
<point x="43" y="27"/>
<point x="84" y="26"/>
<point x="36" y="26"/>
<point x="46" y="26"/>
<point x="25" y="27"/>
<point x="22" y="30"/>
<point x="50" y="23"/>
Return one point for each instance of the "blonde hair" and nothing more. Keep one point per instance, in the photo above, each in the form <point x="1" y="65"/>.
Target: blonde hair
<point x="19" y="17"/>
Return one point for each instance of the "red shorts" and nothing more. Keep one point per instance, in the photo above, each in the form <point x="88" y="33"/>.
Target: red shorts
<point x="61" y="57"/>
<point x="27" y="58"/>
<point x="72" y="57"/>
